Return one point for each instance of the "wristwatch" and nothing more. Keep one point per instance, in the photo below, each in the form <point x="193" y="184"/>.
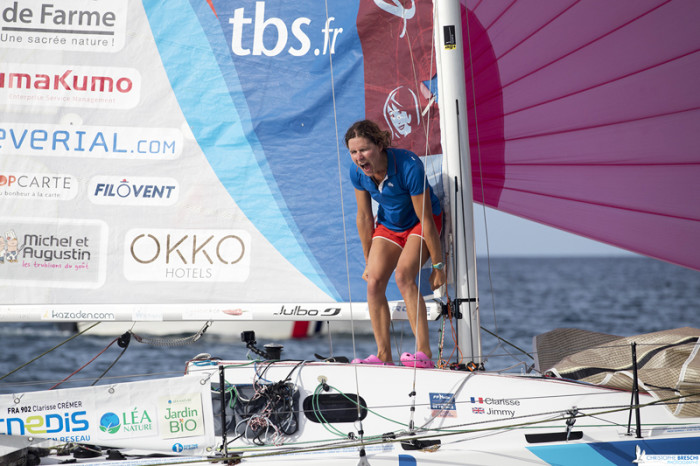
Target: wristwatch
<point x="439" y="266"/>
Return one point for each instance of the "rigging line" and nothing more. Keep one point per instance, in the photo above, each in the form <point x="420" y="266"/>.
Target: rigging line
<point x="454" y="394"/>
<point x="115" y="378"/>
<point x="525" y="368"/>
<point x="455" y="346"/>
<point x="374" y="409"/>
<point x="113" y="363"/>
<point x="425" y="126"/>
<point x="507" y="342"/>
<point x="473" y="350"/>
<point x="48" y="351"/>
<point x="340" y="185"/>
<point x="421" y="220"/>
<point x="171" y="342"/>
<point x="455" y="252"/>
<point x="416" y="88"/>
<point x="557" y="413"/>
<point x="431" y="161"/>
<point x="443" y="432"/>
<point x="554" y="416"/>
<point x="86" y="364"/>
<point x="371" y="410"/>
<point x="440" y="179"/>
<point x="477" y="137"/>
<point x="342" y="208"/>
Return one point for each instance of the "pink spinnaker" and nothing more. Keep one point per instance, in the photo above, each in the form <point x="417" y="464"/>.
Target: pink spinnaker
<point x="587" y="118"/>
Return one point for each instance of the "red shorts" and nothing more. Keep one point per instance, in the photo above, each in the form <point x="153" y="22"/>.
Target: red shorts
<point x="400" y="237"/>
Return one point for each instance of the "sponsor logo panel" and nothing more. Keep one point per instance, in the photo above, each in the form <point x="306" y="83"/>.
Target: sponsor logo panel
<point x="297" y="310"/>
<point x="180" y="416"/>
<point x="64" y="421"/>
<point x="76" y="315"/>
<point x="54" y="253"/>
<point x="250" y="29"/>
<point x="133" y="190"/>
<point x="136" y="422"/>
<point x="187" y="255"/>
<point x="82" y="25"/>
<point x="38" y="186"/>
<point x="179" y="447"/>
<point x="443" y="405"/>
<point x="644" y="458"/>
<point x="69" y="86"/>
<point x="90" y="141"/>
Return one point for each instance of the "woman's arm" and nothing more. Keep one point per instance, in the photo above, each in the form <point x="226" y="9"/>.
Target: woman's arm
<point x="365" y="220"/>
<point x="424" y="211"/>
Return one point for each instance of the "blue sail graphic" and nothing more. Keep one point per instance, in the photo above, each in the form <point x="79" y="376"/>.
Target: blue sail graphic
<point x="253" y="154"/>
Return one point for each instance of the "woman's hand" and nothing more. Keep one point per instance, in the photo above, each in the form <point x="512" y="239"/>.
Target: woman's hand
<point x="365" y="275"/>
<point x="437" y="278"/>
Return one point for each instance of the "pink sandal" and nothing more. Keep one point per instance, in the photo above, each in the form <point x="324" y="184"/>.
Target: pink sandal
<point x="419" y="360"/>
<point x="371" y="359"/>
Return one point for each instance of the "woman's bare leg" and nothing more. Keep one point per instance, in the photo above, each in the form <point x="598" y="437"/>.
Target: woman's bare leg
<point x="407" y="270"/>
<point x="382" y="259"/>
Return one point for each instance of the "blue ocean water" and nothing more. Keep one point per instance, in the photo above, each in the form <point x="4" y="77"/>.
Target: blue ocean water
<point x="519" y="298"/>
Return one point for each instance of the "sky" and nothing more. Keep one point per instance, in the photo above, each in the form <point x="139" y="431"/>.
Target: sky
<point x="532" y="239"/>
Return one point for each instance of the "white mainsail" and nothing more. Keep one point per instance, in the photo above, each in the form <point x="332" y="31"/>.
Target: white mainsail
<point x="160" y="188"/>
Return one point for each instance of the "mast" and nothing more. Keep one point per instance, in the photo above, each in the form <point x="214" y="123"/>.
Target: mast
<point x="457" y="180"/>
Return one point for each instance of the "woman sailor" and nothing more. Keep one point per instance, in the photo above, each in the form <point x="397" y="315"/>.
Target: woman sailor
<point x="406" y="234"/>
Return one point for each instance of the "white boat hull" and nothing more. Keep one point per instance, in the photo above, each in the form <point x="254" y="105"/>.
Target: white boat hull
<point x="459" y="418"/>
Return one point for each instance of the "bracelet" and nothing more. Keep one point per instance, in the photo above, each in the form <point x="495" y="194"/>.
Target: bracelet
<point x="439" y="266"/>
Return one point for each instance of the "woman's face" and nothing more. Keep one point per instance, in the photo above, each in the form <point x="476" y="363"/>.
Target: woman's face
<point x="367" y="155"/>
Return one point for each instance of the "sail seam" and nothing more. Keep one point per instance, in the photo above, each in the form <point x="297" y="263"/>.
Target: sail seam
<point x="585" y="128"/>
<point x="612" y="206"/>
